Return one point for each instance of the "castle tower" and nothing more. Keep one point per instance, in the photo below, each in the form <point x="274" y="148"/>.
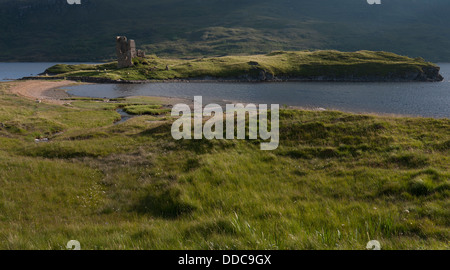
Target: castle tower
<point x="126" y="51"/>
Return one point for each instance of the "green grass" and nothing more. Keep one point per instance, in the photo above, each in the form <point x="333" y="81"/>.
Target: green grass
<point x="280" y="64"/>
<point x="337" y="181"/>
<point x="146" y="109"/>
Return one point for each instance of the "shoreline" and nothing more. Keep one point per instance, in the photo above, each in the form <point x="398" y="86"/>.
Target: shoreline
<point x="50" y="91"/>
<point x="42" y="91"/>
<point x="98" y="80"/>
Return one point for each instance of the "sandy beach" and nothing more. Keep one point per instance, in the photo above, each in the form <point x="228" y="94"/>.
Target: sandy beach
<point x="52" y="92"/>
<point x="45" y="91"/>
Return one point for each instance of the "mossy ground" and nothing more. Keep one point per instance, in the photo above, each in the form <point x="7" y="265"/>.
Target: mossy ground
<point x="337" y="181"/>
<point x="292" y="64"/>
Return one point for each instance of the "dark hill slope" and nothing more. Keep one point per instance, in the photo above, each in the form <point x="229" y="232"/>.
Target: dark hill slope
<point x="43" y="30"/>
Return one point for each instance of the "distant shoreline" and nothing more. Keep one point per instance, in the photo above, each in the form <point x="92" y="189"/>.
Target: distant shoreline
<point x="213" y="80"/>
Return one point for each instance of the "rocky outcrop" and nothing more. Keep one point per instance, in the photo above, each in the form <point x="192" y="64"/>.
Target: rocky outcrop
<point x="426" y="74"/>
<point x="430" y="74"/>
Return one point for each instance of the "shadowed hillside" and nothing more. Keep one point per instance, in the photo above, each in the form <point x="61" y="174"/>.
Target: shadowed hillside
<point x="52" y="30"/>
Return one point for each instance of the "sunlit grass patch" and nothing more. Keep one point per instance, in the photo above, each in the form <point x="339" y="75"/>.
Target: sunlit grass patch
<point x="146" y="109"/>
<point x="283" y="64"/>
<point x="337" y="181"/>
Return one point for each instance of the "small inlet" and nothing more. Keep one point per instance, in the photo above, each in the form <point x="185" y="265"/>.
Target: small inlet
<point x="124" y="116"/>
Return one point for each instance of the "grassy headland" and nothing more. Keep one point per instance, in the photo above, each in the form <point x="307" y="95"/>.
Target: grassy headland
<point x="337" y="181"/>
<point x="304" y="65"/>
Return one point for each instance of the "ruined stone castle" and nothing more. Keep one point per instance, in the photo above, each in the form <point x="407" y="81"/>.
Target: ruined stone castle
<point x="126" y="51"/>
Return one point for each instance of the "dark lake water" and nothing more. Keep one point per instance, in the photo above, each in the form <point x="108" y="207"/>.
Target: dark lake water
<point x="416" y="99"/>
<point x="14" y="71"/>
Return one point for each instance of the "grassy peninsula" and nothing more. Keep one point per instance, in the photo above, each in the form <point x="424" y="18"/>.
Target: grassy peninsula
<point x="275" y="66"/>
<point x="337" y="181"/>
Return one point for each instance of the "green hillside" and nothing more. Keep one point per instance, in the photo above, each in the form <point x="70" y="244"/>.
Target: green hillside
<point x="51" y="30"/>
